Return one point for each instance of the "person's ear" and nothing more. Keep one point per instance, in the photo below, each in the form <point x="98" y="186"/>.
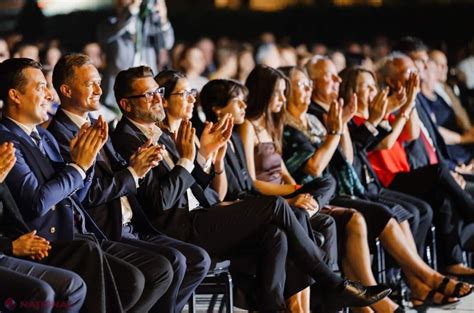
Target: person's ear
<point x="125" y="105"/>
<point x="14" y="95"/>
<point x="165" y="103"/>
<point x="217" y="111"/>
<point x="65" y="90"/>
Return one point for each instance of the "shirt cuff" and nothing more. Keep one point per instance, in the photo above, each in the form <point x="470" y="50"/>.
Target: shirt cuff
<point x="371" y="128"/>
<point x="134" y="175"/>
<point x="79" y="169"/>
<point x="187" y="164"/>
<point x="205" y="164"/>
<point x="385" y="125"/>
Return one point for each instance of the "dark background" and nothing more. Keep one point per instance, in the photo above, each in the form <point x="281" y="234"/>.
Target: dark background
<point x="443" y="26"/>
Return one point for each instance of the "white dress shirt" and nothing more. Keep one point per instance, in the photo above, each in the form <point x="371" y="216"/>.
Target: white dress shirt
<point x="127" y="212"/>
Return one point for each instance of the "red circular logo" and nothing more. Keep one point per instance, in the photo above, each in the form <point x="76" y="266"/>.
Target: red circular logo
<point x="10" y="304"/>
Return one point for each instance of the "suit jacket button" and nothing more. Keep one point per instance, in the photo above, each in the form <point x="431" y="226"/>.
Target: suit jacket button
<point x="52" y="230"/>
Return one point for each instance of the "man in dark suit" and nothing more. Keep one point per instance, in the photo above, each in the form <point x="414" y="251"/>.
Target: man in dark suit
<point x="47" y="191"/>
<point x="111" y="198"/>
<point x="30" y="282"/>
<point x="167" y="193"/>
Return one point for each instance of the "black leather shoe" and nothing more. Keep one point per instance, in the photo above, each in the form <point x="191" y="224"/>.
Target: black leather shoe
<point x="354" y="294"/>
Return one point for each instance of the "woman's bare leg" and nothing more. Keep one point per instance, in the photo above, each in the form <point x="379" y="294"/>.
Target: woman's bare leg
<point x="356" y="263"/>
<point x="394" y="241"/>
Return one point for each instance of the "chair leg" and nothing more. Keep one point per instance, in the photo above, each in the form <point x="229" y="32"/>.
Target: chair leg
<point x="431" y="255"/>
<point x="223" y="304"/>
<point x="229" y="297"/>
<point x="212" y="303"/>
<point x="192" y="303"/>
<point x="380" y="262"/>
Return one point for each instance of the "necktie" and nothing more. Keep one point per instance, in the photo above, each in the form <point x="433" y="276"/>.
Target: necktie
<point x="37" y="139"/>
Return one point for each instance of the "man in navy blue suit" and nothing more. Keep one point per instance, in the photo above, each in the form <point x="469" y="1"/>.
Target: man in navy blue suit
<point x="29" y="281"/>
<point x="111" y="198"/>
<point x="48" y="191"/>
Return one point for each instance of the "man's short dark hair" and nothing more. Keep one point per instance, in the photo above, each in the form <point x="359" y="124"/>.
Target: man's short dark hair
<point x="64" y="69"/>
<point x="11" y="75"/>
<point x="409" y="44"/>
<point x="124" y="81"/>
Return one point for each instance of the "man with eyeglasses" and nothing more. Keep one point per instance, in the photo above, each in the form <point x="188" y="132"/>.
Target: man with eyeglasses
<point x="111" y="198"/>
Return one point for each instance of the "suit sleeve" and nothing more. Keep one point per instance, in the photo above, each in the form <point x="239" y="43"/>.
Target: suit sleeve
<point x="108" y="188"/>
<point x="201" y="177"/>
<point x="33" y="197"/>
<point x="163" y="189"/>
<point x="160" y="189"/>
<point x="6" y="246"/>
<point x="364" y="139"/>
<point x="233" y="189"/>
<point x="62" y="141"/>
<point x="321" y="188"/>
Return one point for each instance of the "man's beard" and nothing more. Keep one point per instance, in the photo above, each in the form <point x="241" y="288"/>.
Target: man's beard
<point x="148" y="116"/>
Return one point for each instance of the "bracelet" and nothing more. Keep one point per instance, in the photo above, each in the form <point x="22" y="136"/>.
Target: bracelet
<point x="218" y="173"/>
<point x="405" y="115"/>
<point x="334" y="132"/>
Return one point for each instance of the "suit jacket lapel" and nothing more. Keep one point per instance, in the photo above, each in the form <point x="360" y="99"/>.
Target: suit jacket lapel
<point x="38" y="162"/>
<point x="235" y="167"/>
<point x="240" y="156"/>
<point x="63" y="119"/>
<point x="166" y="140"/>
<point x="170" y="145"/>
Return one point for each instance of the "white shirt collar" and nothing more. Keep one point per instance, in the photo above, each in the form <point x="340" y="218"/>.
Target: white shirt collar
<point x="76" y="119"/>
<point x="153" y="133"/>
<point x="28" y="129"/>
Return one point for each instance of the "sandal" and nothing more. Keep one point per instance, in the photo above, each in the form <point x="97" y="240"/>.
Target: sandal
<point x="429" y="302"/>
<point x="457" y="288"/>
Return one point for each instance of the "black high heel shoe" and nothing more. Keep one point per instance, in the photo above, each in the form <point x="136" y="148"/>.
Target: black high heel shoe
<point x="354" y="294"/>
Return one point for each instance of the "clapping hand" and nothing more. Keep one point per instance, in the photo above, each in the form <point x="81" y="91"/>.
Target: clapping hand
<point x="7" y="159"/>
<point x="349" y="110"/>
<point x="334" y="118"/>
<point x="88" y="142"/>
<point x="397" y="99"/>
<point x="146" y="157"/>
<point x="214" y="136"/>
<point x="378" y="107"/>
<point x="413" y="88"/>
<point x="184" y="139"/>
